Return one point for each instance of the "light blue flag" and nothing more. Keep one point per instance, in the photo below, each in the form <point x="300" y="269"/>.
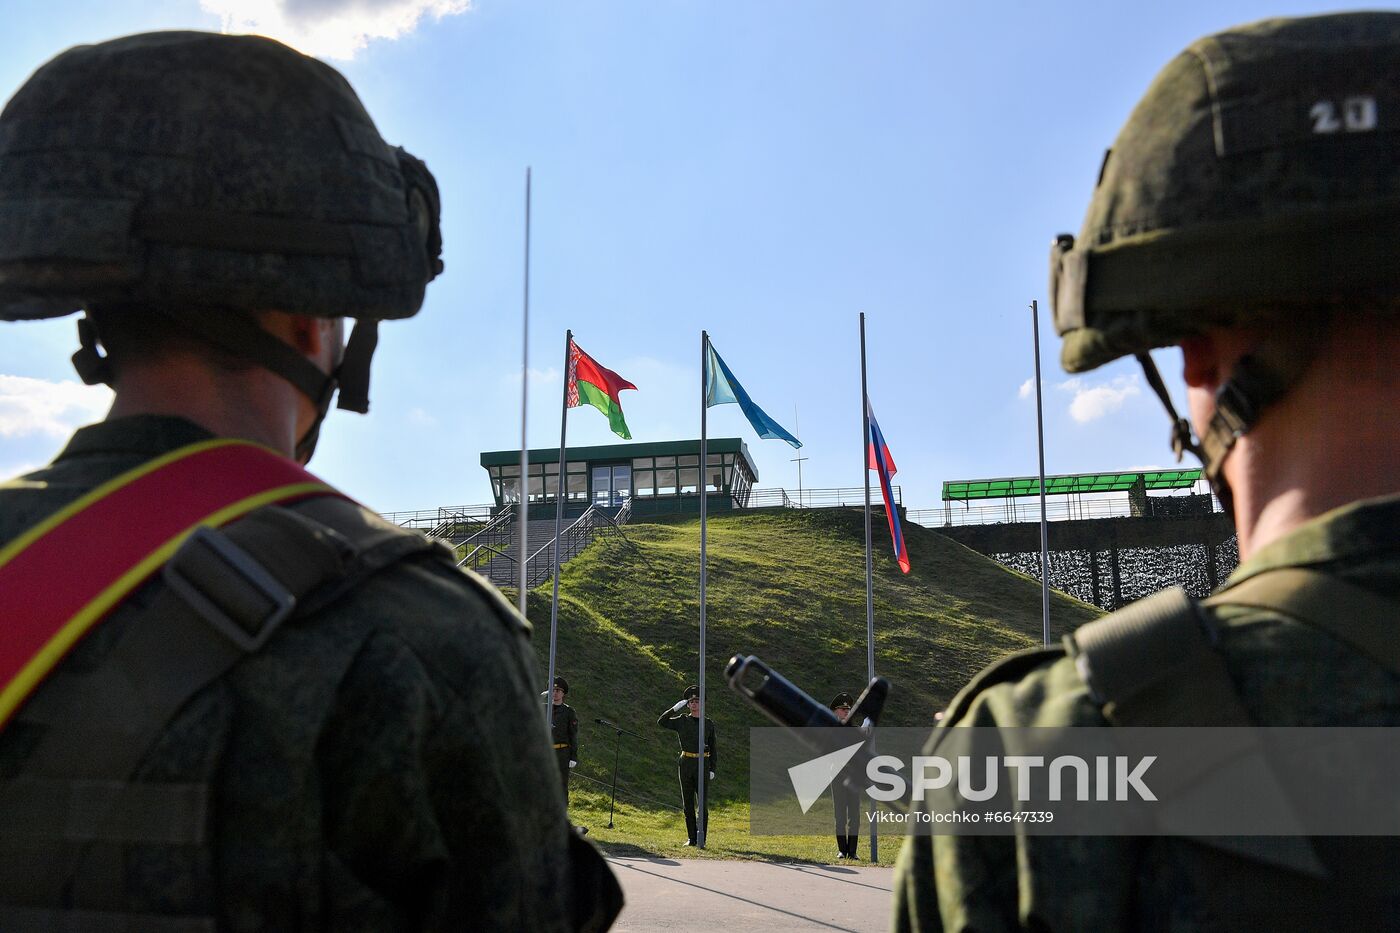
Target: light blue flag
<point x="721" y="388"/>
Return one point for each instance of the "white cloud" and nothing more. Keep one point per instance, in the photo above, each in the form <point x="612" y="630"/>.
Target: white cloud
<point x="1026" y="389"/>
<point x="538" y="378"/>
<point x="1092" y="403"/>
<point x="329" y="28"/>
<point x="420" y="418"/>
<point x="20" y="468"/>
<point x="53" y="409"/>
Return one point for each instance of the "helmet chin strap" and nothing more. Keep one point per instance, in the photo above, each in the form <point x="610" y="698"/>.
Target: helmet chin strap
<point x="351" y="376"/>
<point x="239" y="336"/>
<point x="1257" y="381"/>
<point x="306" y="445"/>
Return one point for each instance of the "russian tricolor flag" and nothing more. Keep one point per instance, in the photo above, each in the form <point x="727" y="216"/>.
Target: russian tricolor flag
<point x="882" y="462"/>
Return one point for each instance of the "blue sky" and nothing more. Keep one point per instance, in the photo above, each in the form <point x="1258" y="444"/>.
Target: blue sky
<point x="763" y="170"/>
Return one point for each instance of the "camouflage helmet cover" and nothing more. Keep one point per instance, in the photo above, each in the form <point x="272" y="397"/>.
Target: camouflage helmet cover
<point x="188" y="170"/>
<point x="1259" y="178"/>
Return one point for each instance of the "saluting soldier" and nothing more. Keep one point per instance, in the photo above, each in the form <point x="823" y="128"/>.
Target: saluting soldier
<point x="684" y="720"/>
<point x="1248" y="213"/>
<point x="847" y="801"/>
<point x="563" y="724"/>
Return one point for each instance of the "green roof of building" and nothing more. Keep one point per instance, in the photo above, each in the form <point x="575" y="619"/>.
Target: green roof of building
<point x="1019" y="486"/>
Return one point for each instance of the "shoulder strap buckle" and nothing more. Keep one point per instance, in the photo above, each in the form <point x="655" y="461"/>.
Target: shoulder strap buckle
<point x="1235" y="409"/>
<point x="227" y="588"/>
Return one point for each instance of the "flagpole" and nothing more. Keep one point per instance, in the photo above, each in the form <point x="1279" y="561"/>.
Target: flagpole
<point x="1044" y="528"/>
<point x="558" y="521"/>
<point x="869" y="560"/>
<point x="700" y="762"/>
<point x="522" y="523"/>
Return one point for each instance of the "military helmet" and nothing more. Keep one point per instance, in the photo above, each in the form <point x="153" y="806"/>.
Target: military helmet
<point x="1258" y="180"/>
<point x="203" y="172"/>
<point x="182" y="180"/>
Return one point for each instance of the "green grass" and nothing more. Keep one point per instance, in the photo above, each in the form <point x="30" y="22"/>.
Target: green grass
<point x="789" y="587"/>
<point x="652" y="831"/>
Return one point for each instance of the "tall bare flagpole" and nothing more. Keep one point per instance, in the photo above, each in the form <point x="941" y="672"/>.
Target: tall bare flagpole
<point x="700" y="761"/>
<point x="522" y="519"/>
<point x="1044" y="527"/>
<point x="869" y="559"/>
<point x="562" y="494"/>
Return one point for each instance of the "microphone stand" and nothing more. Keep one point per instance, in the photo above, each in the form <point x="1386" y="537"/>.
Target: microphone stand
<point x="617" y="751"/>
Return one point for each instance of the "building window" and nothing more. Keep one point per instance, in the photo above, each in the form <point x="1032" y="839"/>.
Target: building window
<point x="612" y="484"/>
<point x="665" y="480"/>
<point x="622" y="483"/>
<point x="505" y="483"/>
<point x="602" y="480"/>
<point x="714" y="475"/>
<point x="644" y="482"/>
<point x="544" y="481"/>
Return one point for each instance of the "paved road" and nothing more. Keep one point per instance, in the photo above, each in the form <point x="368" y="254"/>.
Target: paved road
<point x="713" y="895"/>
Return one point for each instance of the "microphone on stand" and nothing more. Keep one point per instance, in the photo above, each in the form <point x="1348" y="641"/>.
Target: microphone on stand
<point x="617" y="751"/>
<point x="613" y="725"/>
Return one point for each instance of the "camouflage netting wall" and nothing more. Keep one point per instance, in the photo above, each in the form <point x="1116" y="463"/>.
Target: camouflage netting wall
<point x="1141" y="571"/>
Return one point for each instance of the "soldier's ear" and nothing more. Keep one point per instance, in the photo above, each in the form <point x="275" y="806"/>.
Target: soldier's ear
<point x="307" y="335"/>
<point x="1200" y="362"/>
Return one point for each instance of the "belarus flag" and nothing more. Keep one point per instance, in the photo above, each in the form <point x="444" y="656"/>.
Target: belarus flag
<point x="882" y="462"/>
<point x="592" y="384"/>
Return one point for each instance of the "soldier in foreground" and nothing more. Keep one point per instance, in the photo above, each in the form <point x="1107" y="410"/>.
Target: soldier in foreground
<point x="298" y="717"/>
<point x="1248" y="214"/>
<point x="686" y="725"/>
<point x="563" y="725"/>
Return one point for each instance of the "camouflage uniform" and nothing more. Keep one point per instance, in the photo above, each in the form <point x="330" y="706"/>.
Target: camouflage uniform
<point x="1287" y="673"/>
<point x="379" y="763"/>
<point x="1254" y="190"/>
<point x="369" y="768"/>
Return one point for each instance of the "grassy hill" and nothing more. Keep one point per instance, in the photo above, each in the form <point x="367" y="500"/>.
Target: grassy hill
<point x="789" y="587"/>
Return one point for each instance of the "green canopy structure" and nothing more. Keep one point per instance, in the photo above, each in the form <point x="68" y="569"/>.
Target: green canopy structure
<point x="1019" y="486"/>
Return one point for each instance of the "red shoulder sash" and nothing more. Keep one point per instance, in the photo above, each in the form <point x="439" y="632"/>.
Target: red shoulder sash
<point x="64" y="575"/>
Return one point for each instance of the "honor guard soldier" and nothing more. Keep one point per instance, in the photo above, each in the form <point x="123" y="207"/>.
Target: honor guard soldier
<point x="847" y="801"/>
<point x="1248" y="213"/>
<point x="684" y="720"/>
<point x="563" y="725"/>
<point x="297" y="716"/>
